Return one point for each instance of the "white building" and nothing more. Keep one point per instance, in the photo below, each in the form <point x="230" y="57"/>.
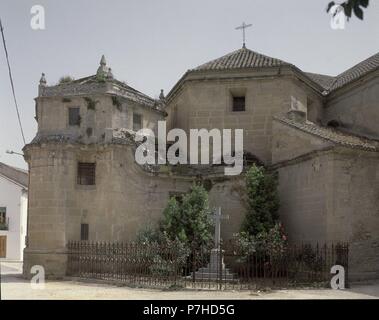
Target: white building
<point x="13" y="212"/>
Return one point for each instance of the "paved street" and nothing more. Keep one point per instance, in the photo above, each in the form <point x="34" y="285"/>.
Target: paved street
<point x="14" y="287"/>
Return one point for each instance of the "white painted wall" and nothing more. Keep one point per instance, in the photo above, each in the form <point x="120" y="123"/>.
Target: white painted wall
<point x="15" y="199"/>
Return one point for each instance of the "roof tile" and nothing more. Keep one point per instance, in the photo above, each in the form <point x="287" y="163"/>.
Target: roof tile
<point x="242" y="58"/>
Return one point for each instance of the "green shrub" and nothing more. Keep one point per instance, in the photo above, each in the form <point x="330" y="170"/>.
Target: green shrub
<point x="91" y="104"/>
<point x="65" y="79"/>
<point x="117" y="102"/>
<point x="263" y="201"/>
<point x="189" y="220"/>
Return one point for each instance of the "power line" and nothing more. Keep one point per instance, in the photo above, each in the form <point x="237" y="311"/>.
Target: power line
<point x="11" y="80"/>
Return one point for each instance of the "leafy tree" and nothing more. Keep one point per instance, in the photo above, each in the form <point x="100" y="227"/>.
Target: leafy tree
<point x="189" y="220"/>
<point x="263" y="201"/>
<point x="351" y="6"/>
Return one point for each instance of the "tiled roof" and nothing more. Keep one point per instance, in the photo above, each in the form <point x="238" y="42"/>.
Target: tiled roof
<point x="242" y="58"/>
<point x="321" y="79"/>
<point x="356" y="72"/>
<point x="91" y="84"/>
<point x="333" y="135"/>
<point x="246" y="58"/>
<point x="17" y="175"/>
<point x="361" y="69"/>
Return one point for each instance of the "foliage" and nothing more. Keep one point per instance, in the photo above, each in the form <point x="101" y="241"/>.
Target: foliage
<point x="189" y="220"/>
<point x="245" y="243"/>
<point x="101" y="78"/>
<point x="351" y="6"/>
<point x="149" y="235"/>
<point x="170" y="259"/>
<point x="272" y="241"/>
<point x="91" y="104"/>
<point x="116" y="102"/>
<point x="66" y="79"/>
<point x="164" y="256"/>
<point x="263" y="201"/>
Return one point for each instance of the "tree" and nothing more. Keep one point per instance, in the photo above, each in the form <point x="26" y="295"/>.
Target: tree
<point x="351" y="6"/>
<point x="263" y="201"/>
<point x="189" y="220"/>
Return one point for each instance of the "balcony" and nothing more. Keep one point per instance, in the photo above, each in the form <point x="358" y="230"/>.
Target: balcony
<point x="4" y="224"/>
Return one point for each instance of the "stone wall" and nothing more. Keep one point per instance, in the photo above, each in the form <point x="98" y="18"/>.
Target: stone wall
<point x="329" y="194"/>
<point x="208" y="104"/>
<point x="354" y="215"/>
<point x="124" y="200"/>
<point x="356" y="107"/>
<point x="304" y="190"/>
<point x="52" y="116"/>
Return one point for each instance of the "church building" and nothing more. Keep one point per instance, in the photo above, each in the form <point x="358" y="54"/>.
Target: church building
<point x="319" y="132"/>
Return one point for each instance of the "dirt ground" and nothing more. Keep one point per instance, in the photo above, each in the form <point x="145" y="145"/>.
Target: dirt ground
<point x="13" y="286"/>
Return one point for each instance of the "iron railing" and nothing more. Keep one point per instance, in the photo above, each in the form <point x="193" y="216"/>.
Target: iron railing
<point x="154" y="265"/>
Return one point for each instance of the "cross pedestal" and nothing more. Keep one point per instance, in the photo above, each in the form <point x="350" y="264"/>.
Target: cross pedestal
<point x="215" y="269"/>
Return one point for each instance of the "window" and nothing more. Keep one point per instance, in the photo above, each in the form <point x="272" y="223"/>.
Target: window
<point x="3" y="218"/>
<point x="86" y="173"/>
<point x="84" y="230"/>
<point x="137" y="122"/>
<point x="73" y="116"/>
<point x="238" y="104"/>
<point x="3" y="214"/>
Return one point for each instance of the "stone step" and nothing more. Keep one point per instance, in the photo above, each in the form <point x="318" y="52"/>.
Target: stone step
<point x="214" y="276"/>
<point x="207" y="269"/>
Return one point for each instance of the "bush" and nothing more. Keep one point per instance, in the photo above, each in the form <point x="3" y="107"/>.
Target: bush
<point x="263" y="201"/>
<point x="163" y="256"/>
<point x="272" y="241"/>
<point x="66" y="79"/>
<point x="189" y="220"/>
<point x="149" y="235"/>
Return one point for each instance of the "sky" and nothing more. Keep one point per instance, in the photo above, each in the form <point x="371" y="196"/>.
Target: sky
<point x="150" y="44"/>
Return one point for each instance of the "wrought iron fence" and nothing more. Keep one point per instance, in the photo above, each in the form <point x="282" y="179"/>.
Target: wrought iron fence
<point x="154" y="265"/>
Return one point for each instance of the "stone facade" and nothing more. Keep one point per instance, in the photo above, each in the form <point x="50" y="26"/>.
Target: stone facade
<point x="317" y="132"/>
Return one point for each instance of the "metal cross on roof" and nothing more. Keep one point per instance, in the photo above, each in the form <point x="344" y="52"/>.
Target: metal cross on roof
<point x="243" y="27"/>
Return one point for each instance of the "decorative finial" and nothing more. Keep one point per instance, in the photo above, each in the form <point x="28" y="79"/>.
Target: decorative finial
<point x="42" y="81"/>
<point x="243" y="27"/>
<point x="161" y="95"/>
<point x="103" y="62"/>
<point x="102" y="70"/>
<point x="110" y="74"/>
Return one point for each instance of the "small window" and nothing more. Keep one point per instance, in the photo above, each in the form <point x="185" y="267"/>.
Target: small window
<point x="84" y="230"/>
<point x="137" y="122"/>
<point x="86" y="173"/>
<point x="3" y="215"/>
<point x="74" y="116"/>
<point x="238" y="104"/>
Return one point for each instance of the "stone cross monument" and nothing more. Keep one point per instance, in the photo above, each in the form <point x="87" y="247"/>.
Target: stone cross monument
<point x="217" y="217"/>
<point x="216" y="267"/>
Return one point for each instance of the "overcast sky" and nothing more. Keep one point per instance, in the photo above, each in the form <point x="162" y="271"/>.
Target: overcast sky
<point x="150" y="44"/>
